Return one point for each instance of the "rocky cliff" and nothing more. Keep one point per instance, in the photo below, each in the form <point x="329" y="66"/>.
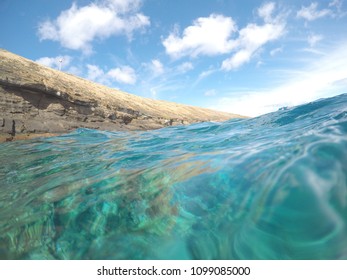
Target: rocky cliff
<point x="36" y="100"/>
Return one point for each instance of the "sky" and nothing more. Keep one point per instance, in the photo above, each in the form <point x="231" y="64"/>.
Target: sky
<point x="242" y="56"/>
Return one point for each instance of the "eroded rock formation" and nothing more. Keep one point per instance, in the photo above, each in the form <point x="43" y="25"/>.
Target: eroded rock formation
<point x="36" y="100"/>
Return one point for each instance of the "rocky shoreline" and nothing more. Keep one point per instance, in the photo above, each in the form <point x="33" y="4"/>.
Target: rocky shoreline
<point x="39" y="101"/>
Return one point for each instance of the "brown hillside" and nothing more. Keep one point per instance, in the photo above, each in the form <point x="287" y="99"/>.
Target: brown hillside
<point x="37" y="100"/>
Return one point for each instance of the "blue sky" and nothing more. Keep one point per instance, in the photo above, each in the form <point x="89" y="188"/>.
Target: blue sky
<point x="248" y="57"/>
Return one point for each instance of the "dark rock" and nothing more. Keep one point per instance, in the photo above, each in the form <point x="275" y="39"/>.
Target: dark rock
<point x="112" y="117"/>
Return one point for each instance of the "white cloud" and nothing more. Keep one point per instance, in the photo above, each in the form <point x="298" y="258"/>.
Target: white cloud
<point x="313" y="51"/>
<point x="205" y="74"/>
<point x="276" y="51"/>
<point x="311" y="12"/>
<point x="124" y="74"/>
<point x="95" y="73"/>
<point x="253" y="37"/>
<point x="207" y="36"/>
<point x="58" y="62"/>
<point x="77" y="27"/>
<point x="336" y="4"/>
<point x="202" y="37"/>
<point x="313" y="39"/>
<point x="185" y="67"/>
<point x="266" y="11"/>
<point x="75" y="70"/>
<point x="260" y="63"/>
<point x="239" y="58"/>
<point x="157" y="67"/>
<point x="211" y="92"/>
<point x="123" y="6"/>
<point x="325" y="77"/>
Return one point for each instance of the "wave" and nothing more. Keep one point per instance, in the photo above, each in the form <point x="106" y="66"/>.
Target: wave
<point x="271" y="187"/>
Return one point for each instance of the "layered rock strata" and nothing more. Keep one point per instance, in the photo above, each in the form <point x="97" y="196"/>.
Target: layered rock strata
<point x="37" y="100"/>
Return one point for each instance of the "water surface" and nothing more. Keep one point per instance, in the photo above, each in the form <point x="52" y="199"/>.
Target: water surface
<point x="272" y="187"/>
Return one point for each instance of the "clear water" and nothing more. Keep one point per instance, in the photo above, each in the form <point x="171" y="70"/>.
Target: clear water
<point x="272" y="187"/>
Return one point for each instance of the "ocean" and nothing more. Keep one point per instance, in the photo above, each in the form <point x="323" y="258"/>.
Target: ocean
<point x="271" y="187"/>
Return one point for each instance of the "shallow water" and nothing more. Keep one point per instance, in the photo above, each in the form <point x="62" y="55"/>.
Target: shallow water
<point x="272" y="187"/>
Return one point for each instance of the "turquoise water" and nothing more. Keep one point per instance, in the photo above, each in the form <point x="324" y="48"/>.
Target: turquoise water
<point x="272" y="187"/>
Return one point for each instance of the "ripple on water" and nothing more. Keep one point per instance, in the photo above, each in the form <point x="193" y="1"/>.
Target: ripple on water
<point x="272" y="187"/>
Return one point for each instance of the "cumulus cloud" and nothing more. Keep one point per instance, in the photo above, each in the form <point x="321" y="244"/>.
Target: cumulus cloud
<point x="77" y="27"/>
<point x="253" y="37"/>
<point x="58" y="62"/>
<point x="207" y="36"/>
<point x="123" y="74"/>
<point x="241" y="57"/>
<point x="312" y="12"/>
<point x="157" y="67"/>
<point x="217" y="35"/>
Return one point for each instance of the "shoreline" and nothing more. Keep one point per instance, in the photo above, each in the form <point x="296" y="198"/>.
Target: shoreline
<point x="27" y="136"/>
<point x="36" y="100"/>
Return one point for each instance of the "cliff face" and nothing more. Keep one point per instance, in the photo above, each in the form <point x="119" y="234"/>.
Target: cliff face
<point x="36" y="100"/>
